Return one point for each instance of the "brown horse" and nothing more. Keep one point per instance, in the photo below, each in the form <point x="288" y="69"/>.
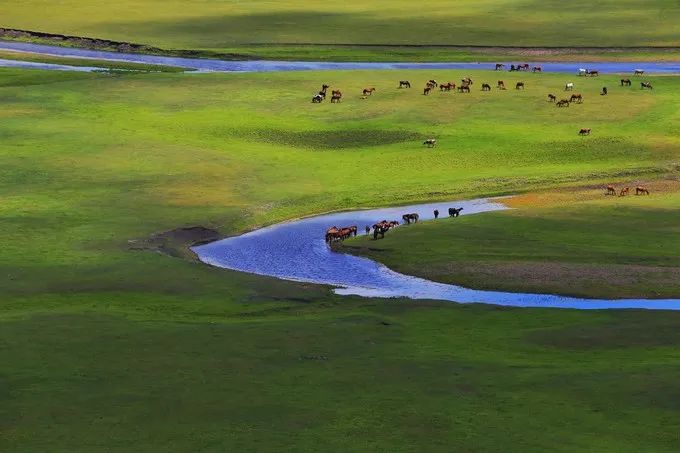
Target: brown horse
<point x="427" y="90"/>
<point x="552" y="98"/>
<point x="447" y="86"/>
<point x="408" y="218"/>
<point x="638" y="72"/>
<point x="486" y="87"/>
<point x="639" y="190"/>
<point x="578" y="98"/>
<point x="500" y="85"/>
<point x="626" y="82"/>
<point x="523" y="67"/>
<point x="611" y="190"/>
<point x="584" y="131"/>
<point x="464" y="89"/>
<point x="519" y="85"/>
<point x="563" y="103"/>
<point x="625" y="191"/>
<point x="536" y="69"/>
<point x="336" y="98"/>
<point x="368" y="91"/>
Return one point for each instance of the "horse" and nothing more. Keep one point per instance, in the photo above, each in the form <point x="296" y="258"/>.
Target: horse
<point x="368" y="230"/>
<point x="436" y="214"/>
<point x="611" y="190"/>
<point x="584" y="131"/>
<point x="638" y="72"/>
<point x="513" y="68"/>
<point x="336" y="98"/>
<point x="454" y="212"/>
<point x="322" y="94"/>
<point x="499" y="66"/>
<point x="624" y="192"/>
<point x="464" y="89"/>
<point x="536" y="69"/>
<point x="563" y="103"/>
<point x="523" y="67"/>
<point x="433" y="82"/>
<point x="639" y="190"/>
<point x="447" y="86"/>
<point x="368" y="91"/>
<point x="426" y="91"/>
<point x="334" y="92"/>
<point x="626" y="82"/>
<point x="466" y="81"/>
<point x="317" y="99"/>
<point x="324" y="88"/>
<point x="430" y="142"/>
<point x="331" y="233"/>
<point x="408" y="218"/>
<point x="404" y="84"/>
<point x="592" y="73"/>
<point x="578" y="98"/>
<point x="582" y="72"/>
<point x="486" y="87"/>
<point x="604" y="91"/>
<point x="569" y="86"/>
<point x="644" y="85"/>
<point x="519" y="85"/>
<point x="552" y="98"/>
<point x="500" y="85"/>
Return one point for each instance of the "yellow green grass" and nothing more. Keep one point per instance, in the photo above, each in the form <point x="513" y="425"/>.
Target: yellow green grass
<point x="246" y="26"/>
<point x="108" y="348"/>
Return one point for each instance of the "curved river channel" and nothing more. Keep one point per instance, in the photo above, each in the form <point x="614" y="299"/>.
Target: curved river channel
<point x="297" y="251"/>
<point x="210" y="65"/>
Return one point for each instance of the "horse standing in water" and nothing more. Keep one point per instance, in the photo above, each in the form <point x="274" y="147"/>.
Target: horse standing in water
<point x="454" y="212"/>
<point x="436" y="214"/>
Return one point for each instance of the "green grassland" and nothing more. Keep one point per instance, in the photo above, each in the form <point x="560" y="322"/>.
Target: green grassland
<point x="282" y="27"/>
<point x="107" y="348"/>
<point x="616" y="247"/>
<point x="104" y="64"/>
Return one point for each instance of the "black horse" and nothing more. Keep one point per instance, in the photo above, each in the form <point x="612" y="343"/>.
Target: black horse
<point x="436" y="213"/>
<point x="454" y="212"/>
<point x="404" y="84"/>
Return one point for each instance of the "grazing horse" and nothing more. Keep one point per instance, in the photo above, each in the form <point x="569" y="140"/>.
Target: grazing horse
<point x="427" y="90"/>
<point x="486" y="87"/>
<point x="569" y="86"/>
<point x="432" y="82"/>
<point x="563" y="103"/>
<point x="624" y="192"/>
<point x="500" y="85"/>
<point x="519" y="85"/>
<point x="317" y="99"/>
<point x="639" y="190"/>
<point x="536" y="69"/>
<point x="368" y="91"/>
<point x="592" y="73"/>
<point x="430" y="142"/>
<point x="338" y="92"/>
<point x="584" y="131"/>
<point x="408" y="218"/>
<point x="523" y="67"/>
<point x="644" y="85"/>
<point x="466" y="81"/>
<point x="638" y="72"/>
<point x="447" y="86"/>
<point x="582" y="72"/>
<point x="552" y="98"/>
<point x="626" y="82"/>
<point x="336" y="98"/>
<point x="464" y="89"/>
<point x="611" y="190"/>
<point x="404" y="84"/>
<point x="454" y="212"/>
<point x="513" y="68"/>
<point x="578" y="98"/>
<point x="499" y="66"/>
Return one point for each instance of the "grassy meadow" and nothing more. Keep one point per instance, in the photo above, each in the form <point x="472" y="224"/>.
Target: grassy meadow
<point x="105" y="348"/>
<point x="595" y="246"/>
<point x="279" y="29"/>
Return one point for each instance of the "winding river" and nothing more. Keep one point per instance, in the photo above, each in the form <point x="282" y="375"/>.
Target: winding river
<point x="210" y="65"/>
<point x="297" y="251"/>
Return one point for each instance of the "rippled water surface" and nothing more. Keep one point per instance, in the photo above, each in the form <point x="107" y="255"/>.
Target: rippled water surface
<point x="297" y="251"/>
<point x="275" y="66"/>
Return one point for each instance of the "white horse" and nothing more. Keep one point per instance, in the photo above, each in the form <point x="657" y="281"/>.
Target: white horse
<point x="569" y="86"/>
<point x="317" y="99"/>
<point x="582" y="72"/>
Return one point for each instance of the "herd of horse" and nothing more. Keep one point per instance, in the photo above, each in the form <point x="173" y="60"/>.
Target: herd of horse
<point x="639" y="190"/>
<point x="338" y="234"/>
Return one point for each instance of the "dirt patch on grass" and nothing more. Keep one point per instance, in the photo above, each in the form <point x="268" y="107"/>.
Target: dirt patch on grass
<point x="582" y="280"/>
<point x="176" y="242"/>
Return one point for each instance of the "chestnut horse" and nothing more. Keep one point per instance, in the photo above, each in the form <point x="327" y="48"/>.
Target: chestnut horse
<point x="584" y="131"/>
<point x="639" y="190"/>
<point x="625" y="191"/>
<point x="368" y="91"/>
<point x="611" y="190"/>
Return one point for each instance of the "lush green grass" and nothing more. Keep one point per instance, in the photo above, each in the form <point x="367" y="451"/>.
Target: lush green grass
<point x="104" y="348"/>
<point x="240" y="26"/>
<point x="105" y="64"/>
<point x="614" y="248"/>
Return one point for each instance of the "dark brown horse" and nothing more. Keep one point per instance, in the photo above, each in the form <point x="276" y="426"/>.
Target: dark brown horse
<point x="500" y="85"/>
<point x="626" y="82"/>
<point x="563" y="103"/>
<point x="611" y="190"/>
<point x="644" y="85"/>
<point x="552" y="98"/>
<point x="584" y="131"/>
<point x="454" y="212"/>
<point x="537" y="69"/>
<point x="408" y="218"/>
<point x="426" y="90"/>
<point x="486" y="87"/>
<point x="368" y="91"/>
<point x="499" y="66"/>
<point x="625" y="191"/>
<point x="640" y="190"/>
<point x="519" y="85"/>
<point x="464" y="89"/>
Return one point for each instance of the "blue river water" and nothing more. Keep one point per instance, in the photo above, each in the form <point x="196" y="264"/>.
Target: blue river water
<point x="297" y="251"/>
<point x="211" y="65"/>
